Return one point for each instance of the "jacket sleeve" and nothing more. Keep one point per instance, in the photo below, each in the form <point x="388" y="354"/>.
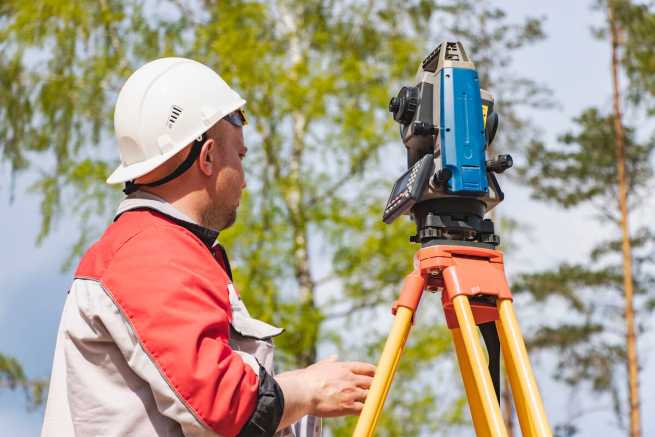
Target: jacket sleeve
<point x="170" y="290"/>
<point x="268" y="412"/>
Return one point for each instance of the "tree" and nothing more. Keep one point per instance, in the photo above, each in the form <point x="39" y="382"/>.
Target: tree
<point x="626" y="245"/>
<point x="582" y="169"/>
<point x="631" y="29"/>
<point x="309" y="250"/>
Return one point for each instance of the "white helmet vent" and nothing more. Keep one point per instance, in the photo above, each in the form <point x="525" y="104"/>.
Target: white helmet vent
<point x="176" y="112"/>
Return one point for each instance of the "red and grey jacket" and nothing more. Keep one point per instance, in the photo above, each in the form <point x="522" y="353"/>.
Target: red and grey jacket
<point x="155" y="341"/>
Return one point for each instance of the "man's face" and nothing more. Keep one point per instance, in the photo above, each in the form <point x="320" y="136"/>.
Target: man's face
<point x="229" y="181"/>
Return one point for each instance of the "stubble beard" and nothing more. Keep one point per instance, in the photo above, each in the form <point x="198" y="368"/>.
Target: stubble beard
<point x="217" y="217"/>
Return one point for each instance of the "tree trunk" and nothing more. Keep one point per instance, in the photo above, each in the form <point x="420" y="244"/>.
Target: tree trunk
<point x="631" y="340"/>
<point x="301" y="260"/>
<point x="295" y="202"/>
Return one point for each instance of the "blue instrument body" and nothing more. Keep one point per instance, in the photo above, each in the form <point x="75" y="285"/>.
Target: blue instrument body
<point x="462" y="135"/>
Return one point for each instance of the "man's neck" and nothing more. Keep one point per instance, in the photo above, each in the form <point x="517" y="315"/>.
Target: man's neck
<point x="186" y="204"/>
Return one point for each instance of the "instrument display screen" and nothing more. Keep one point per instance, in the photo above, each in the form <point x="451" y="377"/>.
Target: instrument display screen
<point x="408" y="189"/>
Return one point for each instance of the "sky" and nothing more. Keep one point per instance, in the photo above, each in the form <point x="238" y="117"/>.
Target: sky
<point x="573" y="64"/>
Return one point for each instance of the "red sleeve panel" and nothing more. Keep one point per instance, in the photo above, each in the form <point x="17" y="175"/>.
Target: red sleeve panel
<point x="175" y="295"/>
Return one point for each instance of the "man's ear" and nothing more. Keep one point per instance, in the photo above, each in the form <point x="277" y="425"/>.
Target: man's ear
<point x="207" y="159"/>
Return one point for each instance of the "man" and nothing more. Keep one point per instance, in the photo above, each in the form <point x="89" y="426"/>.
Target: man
<point x="154" y="339"/>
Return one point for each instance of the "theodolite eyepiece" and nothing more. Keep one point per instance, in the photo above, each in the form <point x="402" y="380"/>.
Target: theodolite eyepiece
<point x="500" y="164"/>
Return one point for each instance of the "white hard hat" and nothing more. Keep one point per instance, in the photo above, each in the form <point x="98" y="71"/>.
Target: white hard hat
<point x="162" y="108"/>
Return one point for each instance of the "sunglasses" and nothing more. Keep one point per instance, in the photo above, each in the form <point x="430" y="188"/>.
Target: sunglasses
<point x="237" y="118"/>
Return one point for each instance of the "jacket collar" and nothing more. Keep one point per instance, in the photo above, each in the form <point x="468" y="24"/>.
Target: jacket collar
<point x="140" y="200"/>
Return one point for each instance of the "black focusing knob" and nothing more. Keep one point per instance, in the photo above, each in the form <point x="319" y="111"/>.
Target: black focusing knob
<point x="404" y="105"/>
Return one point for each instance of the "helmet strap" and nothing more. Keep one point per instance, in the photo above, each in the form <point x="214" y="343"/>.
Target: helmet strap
<point x="131" y="187"/>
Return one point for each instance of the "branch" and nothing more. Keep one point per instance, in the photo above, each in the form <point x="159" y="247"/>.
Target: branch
<point x="324" y="280"/>
<point x="355" y="167"/>
<point x="187" y="12"/>
<point x="329" y="192"/>
<point x="357" y="307"/>
<point x="115" y="40"/>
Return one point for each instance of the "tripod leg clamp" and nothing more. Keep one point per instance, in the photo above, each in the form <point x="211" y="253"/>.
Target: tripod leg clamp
<point x="410" y="296"/>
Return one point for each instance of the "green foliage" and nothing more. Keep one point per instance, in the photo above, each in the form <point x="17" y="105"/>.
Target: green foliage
<point x="637" y="24"/>
<point x="309" y="250"/>
<point x="13" y="377"/>
<point x="581" y="169"/>
<point x="586" y="331"/>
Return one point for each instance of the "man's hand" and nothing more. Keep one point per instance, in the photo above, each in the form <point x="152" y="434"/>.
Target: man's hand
<point x="338" y="388"/>
<point x="329" y="388"/>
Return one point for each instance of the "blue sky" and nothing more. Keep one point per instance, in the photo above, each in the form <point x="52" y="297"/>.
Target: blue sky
<point x="570" y="62"/>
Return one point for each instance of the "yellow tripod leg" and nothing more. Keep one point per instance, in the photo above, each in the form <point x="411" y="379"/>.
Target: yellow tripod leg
<point x="475" y="405"/>
<point x="490" y="410"/>
<point x="384" y="373"/>
<point x="529" y="406"/>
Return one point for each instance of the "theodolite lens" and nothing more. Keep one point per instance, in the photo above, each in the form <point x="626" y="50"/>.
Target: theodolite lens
<point x="491" y="127"/>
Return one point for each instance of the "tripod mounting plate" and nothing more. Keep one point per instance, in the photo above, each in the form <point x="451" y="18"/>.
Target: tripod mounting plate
<point x="453" y="220"/>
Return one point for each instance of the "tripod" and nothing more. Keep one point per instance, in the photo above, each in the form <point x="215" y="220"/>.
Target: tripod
<point x="475" y="291"/>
